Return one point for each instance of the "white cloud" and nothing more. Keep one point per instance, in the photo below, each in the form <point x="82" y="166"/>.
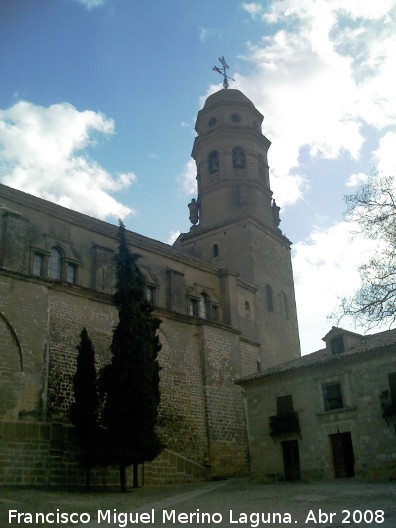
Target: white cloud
<point x="173" y="236"/>
<point x="42" y="153"/>
<point x="356" y="179"/>
<point x="384" y="156"/>
<point x="91" y="4"/>
<point x="320" y="78"/>
<point x="252" y="8"/>
<point x="188" y="178"/>
<point x="325" y="269"/>
<point x="324" y="81"/>
<point x="207" y="33"/>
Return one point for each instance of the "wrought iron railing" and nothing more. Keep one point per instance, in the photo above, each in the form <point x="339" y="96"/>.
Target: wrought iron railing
<point x="282" y="424"/>
<point x="388" y="405"/>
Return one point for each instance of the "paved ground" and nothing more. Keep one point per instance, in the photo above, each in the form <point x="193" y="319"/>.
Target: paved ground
<point x="233" y="503"/>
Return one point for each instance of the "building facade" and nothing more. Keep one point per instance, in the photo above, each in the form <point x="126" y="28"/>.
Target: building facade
<point x="224" y="292"/>
<point x="328" y="414"/>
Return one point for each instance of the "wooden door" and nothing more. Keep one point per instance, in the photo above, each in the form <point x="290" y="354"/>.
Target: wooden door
<point x="343" y="459"/>
<point x="291" y="460"/>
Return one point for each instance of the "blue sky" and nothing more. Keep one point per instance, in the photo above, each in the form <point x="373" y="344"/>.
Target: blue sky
<point x="98" y="102"/>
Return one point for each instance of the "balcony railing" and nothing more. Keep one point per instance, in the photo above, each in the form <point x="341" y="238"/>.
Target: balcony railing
<point x="388" y="405"/>
<point x="283" y="424"/>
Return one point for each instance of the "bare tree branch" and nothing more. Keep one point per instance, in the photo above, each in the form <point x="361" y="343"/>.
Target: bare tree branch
<point x="373" y="209"/>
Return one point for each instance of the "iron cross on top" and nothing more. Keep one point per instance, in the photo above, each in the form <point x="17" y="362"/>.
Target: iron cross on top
<point x="222" y="72"/>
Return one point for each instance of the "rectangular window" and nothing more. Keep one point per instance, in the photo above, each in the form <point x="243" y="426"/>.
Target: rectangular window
<point x="150" y="295"/>
<point x="392" y="386"/>
<point x="71" y="273"/>
<point x="193" y="307"/>
<point x="284" y="404"/>
<point x="270" y="301"/>
<point x="214" y="313"/>
<point x="55" y="264"/>
<point x="37" y="264"/>
<point x="337" y="345"/>
<point x="332" y="396"/>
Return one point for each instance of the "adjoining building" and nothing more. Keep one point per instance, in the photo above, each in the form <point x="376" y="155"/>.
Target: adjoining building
<point x="224" y="292"/>
<point x="328" y="414"/>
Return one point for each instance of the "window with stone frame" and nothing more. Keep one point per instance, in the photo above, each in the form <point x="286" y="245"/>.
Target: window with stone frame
<point x="193" y="307"/>
<point x="204" y="306"/>
<point x="151" y="295"/>
<point x="214" y="313"/>
<point x="247" y="309"/>
<point x="270" y="300"/>
<point x="213" y="161"/>
<point x="238" y="158"/>
<point x="71" y="273"/>
<point x="38" y="263"/>
<point x="284" y="305"/>
<point x="55" y="264"/>
<point x="332" y="396"/>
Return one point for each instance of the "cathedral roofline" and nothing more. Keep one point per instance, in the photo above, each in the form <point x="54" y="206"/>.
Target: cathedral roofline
<point x="100" y="226"/>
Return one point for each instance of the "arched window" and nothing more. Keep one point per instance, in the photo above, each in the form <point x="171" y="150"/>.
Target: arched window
<point x="270" y="301"/>
<point x="204" y="306"/>
<point x="238" y="158"/>
<point x="55" y="264"/>
<point x="215" y="250"/>
<point x="213" y="161"/>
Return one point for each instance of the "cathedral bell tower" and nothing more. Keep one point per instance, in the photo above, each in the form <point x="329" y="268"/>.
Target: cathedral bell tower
<point x="235" y="226"/>
<point x="231" y="156"/>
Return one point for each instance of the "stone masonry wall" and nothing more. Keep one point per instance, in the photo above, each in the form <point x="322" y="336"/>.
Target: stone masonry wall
<point x="250" y="357"/>
<point x="373" y="440"/>
<point x="182" y="410"/>
<point x="69" y="314"/>
<point x="44" y="454"/>
<point x="23" y="331"/>
<point x="224" y="402"/>
<point x="38" y="338"/>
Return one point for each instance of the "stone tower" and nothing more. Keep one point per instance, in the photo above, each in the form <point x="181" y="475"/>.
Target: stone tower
<point x="236" y="225"/>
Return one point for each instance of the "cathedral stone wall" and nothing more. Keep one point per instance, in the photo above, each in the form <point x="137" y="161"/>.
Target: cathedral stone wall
<point x="209" y="289"/>
<point x="224" y="403"/>
<point x="23" y="342"/>
<point x="182" y="407"/>
<point x="68" y="315"/>
<point x="201" y="414"/>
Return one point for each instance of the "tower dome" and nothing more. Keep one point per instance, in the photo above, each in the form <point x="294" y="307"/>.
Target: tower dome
<point x="230" y="152"/>
<point x="227" y="95"/>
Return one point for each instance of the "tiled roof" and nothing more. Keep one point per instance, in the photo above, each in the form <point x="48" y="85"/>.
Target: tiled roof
<point x="367" y="343"/>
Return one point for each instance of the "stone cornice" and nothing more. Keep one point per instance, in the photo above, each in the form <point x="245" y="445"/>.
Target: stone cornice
<point x="60" y="286"/>
<point x="202" y="233"/>
<point x="100" y="226"/>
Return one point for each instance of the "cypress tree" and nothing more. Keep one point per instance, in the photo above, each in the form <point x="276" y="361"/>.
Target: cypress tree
<point x="84" y="410"/>
<point x="130" y="383"/>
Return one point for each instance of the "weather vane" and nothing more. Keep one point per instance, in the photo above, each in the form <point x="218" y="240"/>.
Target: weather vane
<point x="222" y="72"/>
